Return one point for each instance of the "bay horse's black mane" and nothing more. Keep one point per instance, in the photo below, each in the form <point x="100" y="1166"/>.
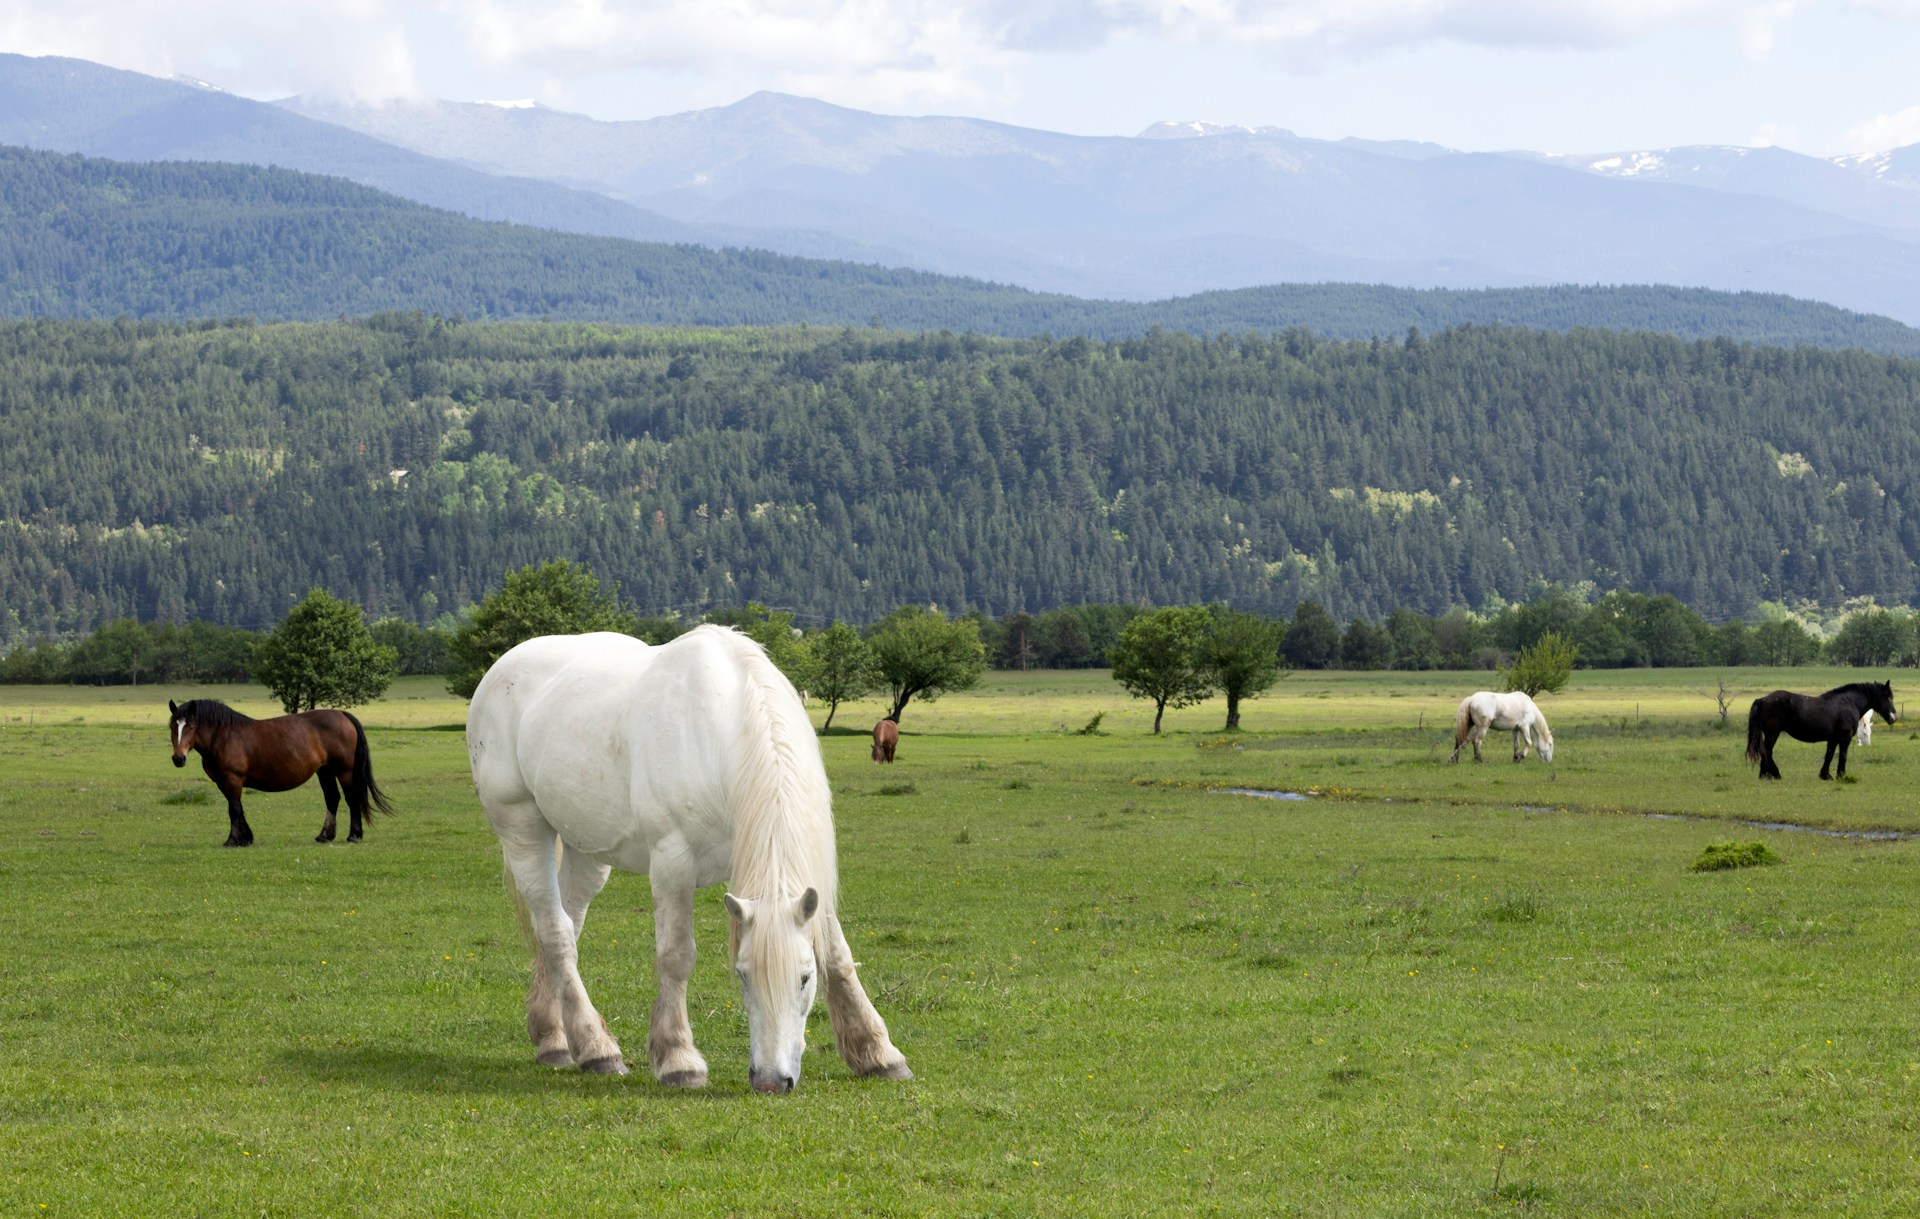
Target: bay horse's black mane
<point x="212" y="713"/>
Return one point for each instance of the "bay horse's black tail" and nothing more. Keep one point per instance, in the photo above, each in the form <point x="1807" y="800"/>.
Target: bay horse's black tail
<point x="365" y="794"/>
<point x="1756" y="734"/>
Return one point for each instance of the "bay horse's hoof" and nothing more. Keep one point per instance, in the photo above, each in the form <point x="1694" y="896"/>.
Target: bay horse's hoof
<point x="685" y="1079"/>
<point x="355" y="838"/>
<point x="234" y="842"/>
<point x="554" y="1058"/>
<point x="323" y="837"/>
<point x="611" y="1065"/>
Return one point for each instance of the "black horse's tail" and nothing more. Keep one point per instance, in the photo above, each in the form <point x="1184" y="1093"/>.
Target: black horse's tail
<point x="364" y="793"/>
<point x="1756" y="734"/>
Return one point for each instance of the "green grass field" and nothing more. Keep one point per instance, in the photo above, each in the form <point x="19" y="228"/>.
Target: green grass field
<point x="1424" y="990"/>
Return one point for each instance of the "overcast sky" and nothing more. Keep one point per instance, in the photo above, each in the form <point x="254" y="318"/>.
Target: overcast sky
<point x="1820" y="76"/>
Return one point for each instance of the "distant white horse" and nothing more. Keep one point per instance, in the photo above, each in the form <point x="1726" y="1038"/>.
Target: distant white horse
<point x="695" y="763"/>
<point x="1865" y="735"/>
<point x="1486" y="710"/>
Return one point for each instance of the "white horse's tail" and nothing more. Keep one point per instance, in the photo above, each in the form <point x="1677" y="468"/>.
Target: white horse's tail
<point x="1462" y="723"/>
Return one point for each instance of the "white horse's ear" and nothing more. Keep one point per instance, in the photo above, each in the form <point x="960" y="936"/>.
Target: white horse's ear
<point x="741" y="912"/>
<point x="809" y="903"/>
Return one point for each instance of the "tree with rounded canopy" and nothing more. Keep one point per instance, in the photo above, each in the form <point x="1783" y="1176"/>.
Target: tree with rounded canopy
<point x="838" y="668"/>
<point x="1542" y="667"/>
<point x="556" y="598"/>
<point x="323" y="653"/>
<point x="1158" y="656"/>
<point x="1241" y="653"/>
<point x="919" y="654"/>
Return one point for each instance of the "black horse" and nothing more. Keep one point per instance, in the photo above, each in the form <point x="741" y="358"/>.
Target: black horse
<point x="1832" y="717"/>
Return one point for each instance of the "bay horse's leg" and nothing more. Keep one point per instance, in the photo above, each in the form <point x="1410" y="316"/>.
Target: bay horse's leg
<point x="239" y="833"/>
<point x="670" y="1048"/>
<point x="858" y="1032"/>
<point x="330" y="788"/>
<point x="534" y="869"/>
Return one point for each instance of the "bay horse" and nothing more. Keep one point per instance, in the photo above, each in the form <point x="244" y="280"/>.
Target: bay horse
<point x="1834" y="718"/>
<point x="694" y="763"/>
<point x="277" y="755"/>
<point x="886" y="738"/>
<point x="1487" y="710"/>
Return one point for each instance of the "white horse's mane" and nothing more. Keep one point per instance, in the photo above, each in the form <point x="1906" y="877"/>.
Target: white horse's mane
<point x="783" y="806"/>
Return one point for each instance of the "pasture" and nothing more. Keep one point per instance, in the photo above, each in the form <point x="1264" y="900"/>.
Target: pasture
<point x="1421" y="990"/>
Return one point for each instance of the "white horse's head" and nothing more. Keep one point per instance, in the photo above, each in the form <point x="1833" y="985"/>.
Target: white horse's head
<point x="773" y="958"/>
<point x="1546" y="742"/>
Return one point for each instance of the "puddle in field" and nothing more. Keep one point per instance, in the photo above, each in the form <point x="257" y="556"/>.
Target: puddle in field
<point x="1864" y="835"/>
<point x="1784" y="826"/>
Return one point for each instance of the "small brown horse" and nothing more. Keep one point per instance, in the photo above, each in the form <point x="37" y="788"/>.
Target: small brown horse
<point x="278" y="755"/>
<point x="886" y="737"/>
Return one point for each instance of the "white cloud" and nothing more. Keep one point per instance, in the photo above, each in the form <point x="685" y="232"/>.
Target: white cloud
<point x="869" y="51"/>
<point x="259" y="47"/>
<point x="1884" y="131"/>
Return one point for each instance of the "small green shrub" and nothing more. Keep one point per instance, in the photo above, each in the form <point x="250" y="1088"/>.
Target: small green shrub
<point x="1719" y="856"/>
<point x="189" y="795"/>
<point x="1016" y="785"/>
<point x="1092" y="726"/>
<point x="1515" y="908"/>
<point x="896" y="789"/>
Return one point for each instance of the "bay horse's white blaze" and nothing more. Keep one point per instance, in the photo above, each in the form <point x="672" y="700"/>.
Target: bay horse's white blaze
<point x="696" y="764"/>
<point x="1487" y="710"/>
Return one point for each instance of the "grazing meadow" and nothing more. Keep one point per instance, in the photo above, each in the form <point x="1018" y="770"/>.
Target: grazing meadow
<point x="1388" y="987"/>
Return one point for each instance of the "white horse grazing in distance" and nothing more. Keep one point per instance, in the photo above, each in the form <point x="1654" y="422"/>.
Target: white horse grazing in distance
<point x="694" y="763"/>
<point x="1486" y="710"/>
<point x="1865" y="735"/>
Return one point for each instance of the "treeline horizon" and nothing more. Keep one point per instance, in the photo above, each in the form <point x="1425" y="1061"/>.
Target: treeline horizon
<point x="1616" y="630"/>
<point x="216" y="471"/>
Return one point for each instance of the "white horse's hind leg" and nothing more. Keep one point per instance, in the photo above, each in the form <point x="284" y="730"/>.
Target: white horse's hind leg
<point x="1521" y="743"/>
<point x="581" y="880"/>
<point x="670" y="1038"/>
<point x="858" y="1032"/>
<point x="557" y="981"/>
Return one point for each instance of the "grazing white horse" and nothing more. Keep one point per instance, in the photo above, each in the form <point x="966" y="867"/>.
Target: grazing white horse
<point x="695" y="763"/>
<point x="1487" y="710"/>
<point x="1865" y="735"/>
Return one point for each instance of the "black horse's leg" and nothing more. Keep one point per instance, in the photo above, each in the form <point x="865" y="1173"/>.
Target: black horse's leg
<point x="1769" y="769"/>
<point x="331" y="790"/>
<point x="239" y="833"/>
<point x="1841" y="771"/>
<point x="1826" y="764"/>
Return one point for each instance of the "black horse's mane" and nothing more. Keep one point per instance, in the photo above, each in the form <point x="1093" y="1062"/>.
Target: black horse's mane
<point x="1856" y="687"/>
<point x="212" y="713"/>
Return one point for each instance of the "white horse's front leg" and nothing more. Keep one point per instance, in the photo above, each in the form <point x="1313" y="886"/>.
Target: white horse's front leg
<point x="858" y="1032"/>
<point x="575" y="1032"/>
<point x="676" y="1062"/>
<point x="1521" y="743"/>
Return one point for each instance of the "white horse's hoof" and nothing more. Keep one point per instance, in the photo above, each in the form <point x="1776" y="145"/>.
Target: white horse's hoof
<point x="896" y="1070"/>
<point x="554" y="1058"/>
<point x="684" y="1079"/>
<point x="612" y="1065"/>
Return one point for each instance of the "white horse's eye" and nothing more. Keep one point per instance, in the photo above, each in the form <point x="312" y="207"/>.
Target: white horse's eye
<point x="805" y="981"/>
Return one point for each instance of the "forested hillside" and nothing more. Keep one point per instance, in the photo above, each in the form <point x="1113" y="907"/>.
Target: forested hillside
<point x="84" y="238"/>
<point x="217" y="471"/>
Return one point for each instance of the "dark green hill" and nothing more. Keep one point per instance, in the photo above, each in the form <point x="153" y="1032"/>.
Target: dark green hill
<point x="218" y="471"/>
<point x="83" y="238"/>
